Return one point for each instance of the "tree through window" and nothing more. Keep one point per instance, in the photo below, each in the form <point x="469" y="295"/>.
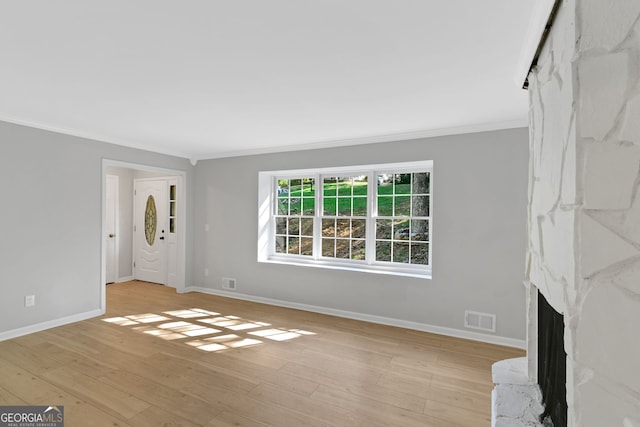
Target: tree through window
<point x="402" y="223"/>
<point x="374" y="218"/>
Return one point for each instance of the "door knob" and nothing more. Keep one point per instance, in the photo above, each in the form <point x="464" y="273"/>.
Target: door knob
<point x="111" y="235"/>
<point x="161" y="237"/>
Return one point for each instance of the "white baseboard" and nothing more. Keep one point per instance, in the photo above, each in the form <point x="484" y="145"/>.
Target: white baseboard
<point x="124" y="279"/>
<point x="440" y="330"/>
<point x="49" y="324"/>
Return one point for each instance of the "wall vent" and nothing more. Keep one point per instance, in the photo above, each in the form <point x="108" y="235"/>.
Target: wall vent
<point x="480" y="321"/>
<point x="229" y="283"/>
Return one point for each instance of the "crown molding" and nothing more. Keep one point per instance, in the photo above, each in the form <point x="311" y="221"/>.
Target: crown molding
<point x="373" y="139"/>
<point x="94" y="136"/>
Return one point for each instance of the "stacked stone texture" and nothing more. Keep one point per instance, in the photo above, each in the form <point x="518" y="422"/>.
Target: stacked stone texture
<point x="584" y="204"/>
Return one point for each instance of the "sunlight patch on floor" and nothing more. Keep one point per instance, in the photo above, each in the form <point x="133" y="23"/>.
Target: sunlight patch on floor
<point x="147" y="318"/>
<point x="122" y="321"/>
<point x="182" y="325"/>
<point x="201" y="331"/>
<point x="223" y="342"/>
<point x="244" y="326"/>
<point x="190" y="314"/>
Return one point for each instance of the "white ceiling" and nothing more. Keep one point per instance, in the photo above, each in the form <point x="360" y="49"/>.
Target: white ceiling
<point x="211" y="78"/>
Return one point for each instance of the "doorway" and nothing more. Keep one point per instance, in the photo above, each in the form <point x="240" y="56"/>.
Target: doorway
<point x="174" y="205"/>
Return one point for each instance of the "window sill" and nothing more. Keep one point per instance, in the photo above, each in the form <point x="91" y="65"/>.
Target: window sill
<point x="418" y="273"/>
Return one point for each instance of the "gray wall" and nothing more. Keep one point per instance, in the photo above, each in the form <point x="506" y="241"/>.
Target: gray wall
<point x="51" y="213"/>
<point x="125" y="220"/>
<point x="51" y="242"/>
<point x="138" y="174"/>
<point x="480" y="195"/>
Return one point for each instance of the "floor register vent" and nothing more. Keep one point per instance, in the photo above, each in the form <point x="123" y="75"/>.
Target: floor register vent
<point x="229" y="283"/>
<point x="481" y="321"/>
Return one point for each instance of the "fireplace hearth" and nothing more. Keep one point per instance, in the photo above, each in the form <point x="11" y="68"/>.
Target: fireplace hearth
<point x="517" y="398"/>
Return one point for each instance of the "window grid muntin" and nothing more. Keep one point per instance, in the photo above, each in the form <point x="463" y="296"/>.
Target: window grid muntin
<point x="395" y="242"/>
<point x="371" y="207"/>
<point x="356" y="238"/>
<point x="341" y="246"/>
<point x="338" y="196"/>
<point x="291" y="221"/>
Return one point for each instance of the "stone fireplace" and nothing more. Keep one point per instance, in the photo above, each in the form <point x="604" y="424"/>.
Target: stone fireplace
<point x="532" y="391"/>
<point x="583" y="252"/>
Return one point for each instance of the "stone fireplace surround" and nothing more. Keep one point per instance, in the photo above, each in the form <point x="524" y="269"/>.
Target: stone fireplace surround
<point x="517" y="399"/>
<point x="583" y="250"/>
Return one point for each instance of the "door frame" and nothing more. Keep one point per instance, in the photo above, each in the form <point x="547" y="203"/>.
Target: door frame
<point x="181" y="177"/>
<point x="116" y="226"/>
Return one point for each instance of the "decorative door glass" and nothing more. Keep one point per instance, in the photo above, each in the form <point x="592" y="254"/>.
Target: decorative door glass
<point x="172" y="209"/>
<point x="150" y="221"/>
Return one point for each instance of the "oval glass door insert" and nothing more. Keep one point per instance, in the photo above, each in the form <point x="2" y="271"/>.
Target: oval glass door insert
<point x="150" y="221"/>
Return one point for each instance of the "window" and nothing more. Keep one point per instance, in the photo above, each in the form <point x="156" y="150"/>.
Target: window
<point x="294" y="212"/>
<point x="344" y="216"/>
<point x="402" y="223"/>
<point x="369" y="218"/>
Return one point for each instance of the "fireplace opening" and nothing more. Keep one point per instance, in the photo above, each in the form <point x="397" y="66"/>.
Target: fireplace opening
<point x="552" y="363"/>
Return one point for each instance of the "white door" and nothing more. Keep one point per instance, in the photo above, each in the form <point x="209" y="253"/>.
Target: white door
<point x="151" y="229"/>
<point x="111" y="219"/>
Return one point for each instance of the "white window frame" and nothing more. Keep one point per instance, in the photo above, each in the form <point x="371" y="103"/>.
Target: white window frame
<point x="266" y="219"/>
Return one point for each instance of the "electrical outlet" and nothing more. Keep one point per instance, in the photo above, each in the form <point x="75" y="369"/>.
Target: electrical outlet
<point x="29" y="300"/>
<point x="206" y="228"/>
<point x="206" y="272"/>
<point x="229" y="283"/>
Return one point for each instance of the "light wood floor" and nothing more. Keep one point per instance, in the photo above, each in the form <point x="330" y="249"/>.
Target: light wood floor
<point x="255" y="365"/>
